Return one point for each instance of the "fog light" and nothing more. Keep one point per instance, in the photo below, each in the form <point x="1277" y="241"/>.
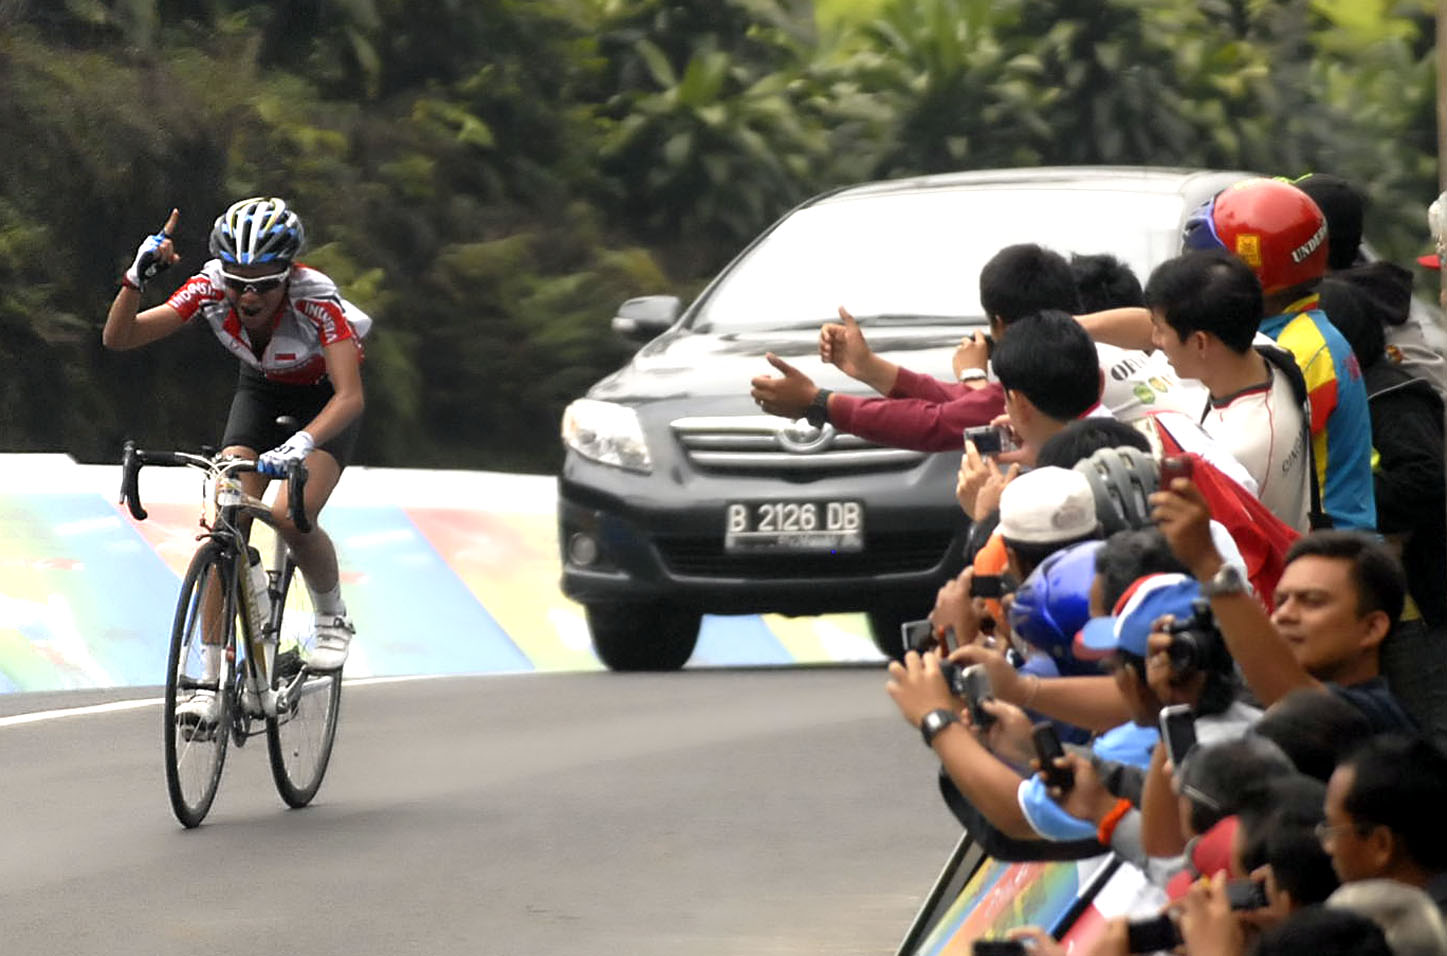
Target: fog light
<point x="582" y="549"/>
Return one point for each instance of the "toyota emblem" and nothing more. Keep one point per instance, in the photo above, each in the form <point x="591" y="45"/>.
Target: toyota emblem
<point x="801" y="438"/>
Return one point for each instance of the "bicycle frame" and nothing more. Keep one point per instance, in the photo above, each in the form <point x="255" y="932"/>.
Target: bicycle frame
<point x="224" y="504"/>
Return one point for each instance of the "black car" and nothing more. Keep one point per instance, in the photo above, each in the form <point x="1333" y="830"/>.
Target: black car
<point x="678" y="497"/>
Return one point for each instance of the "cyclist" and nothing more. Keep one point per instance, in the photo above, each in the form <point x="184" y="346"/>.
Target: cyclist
<point x="299" y="345"/>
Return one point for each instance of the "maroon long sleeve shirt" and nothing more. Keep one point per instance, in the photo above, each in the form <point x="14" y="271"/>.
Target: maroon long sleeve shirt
<point x="920" y="413"/>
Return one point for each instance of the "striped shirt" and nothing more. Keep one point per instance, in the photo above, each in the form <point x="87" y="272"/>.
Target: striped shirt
<point x="1341" y="425"/>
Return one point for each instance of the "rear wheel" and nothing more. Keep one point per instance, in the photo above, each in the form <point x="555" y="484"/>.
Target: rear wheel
<point x="645" y="636"/>
<point x="299" y="739"/>
<point x="196" y="733"/>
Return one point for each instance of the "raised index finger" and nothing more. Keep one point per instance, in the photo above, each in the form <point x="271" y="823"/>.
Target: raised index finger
<point x="169" y="229"/>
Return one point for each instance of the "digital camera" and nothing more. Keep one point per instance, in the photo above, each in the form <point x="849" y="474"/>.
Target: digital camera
<point x="1191" y="638"/>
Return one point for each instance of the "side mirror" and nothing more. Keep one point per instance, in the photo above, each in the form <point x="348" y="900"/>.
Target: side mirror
<point x="646" y="317"/>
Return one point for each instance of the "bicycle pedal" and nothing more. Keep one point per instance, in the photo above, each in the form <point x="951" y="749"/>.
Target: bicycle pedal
<point x="197" y="731"/>
<point x="289" y="663"/>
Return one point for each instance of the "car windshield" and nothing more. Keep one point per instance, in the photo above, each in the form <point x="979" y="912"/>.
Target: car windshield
<point x="915" y="257"/>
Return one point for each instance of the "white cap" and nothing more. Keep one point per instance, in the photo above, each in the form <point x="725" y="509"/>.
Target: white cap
<point x="1047" y="505"/>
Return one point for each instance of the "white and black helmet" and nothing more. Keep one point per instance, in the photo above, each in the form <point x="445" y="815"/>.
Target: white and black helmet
<point x="257" y="230"/>
<point x="1122" y="480"/>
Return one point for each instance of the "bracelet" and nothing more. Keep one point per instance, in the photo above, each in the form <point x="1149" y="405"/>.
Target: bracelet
<point x="971" y="374"/>
<point x="1112" y="820"/>
<point x="128" y="284"/>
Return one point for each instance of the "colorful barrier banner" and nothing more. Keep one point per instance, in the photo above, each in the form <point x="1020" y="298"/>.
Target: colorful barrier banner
<point x="443" y="573"/>
<point x="1070" y="900"/>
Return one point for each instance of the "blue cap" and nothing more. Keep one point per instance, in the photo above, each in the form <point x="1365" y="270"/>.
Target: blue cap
<point x="1145" y="600"/>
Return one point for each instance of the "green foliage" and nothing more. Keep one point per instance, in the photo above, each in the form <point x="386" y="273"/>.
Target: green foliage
<point x="490" y="178"/>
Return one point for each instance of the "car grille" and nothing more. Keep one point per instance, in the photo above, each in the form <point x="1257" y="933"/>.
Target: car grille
<point x="766" y="444"/>
<point x="899" y="553"/>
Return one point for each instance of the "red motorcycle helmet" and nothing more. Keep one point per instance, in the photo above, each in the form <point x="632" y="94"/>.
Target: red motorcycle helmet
<point x="1268" y="224"/>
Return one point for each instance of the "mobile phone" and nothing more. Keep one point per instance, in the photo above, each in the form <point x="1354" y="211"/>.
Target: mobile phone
<point x="1175" y="466"/>
<point x="1151" y="935"/>
<point x="1178" y="730"/>
<point x="999" y="947"/>
<point x="1246" y="894"/>
<point x="1047" y="749"/>
<point x="918" y="636"/>
<point x="975" y="681"/>
<point x="987" y="586"/>
<point x="991" y="439"/>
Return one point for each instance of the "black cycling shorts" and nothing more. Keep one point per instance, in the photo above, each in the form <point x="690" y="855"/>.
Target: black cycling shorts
<point x="259" y="402"/>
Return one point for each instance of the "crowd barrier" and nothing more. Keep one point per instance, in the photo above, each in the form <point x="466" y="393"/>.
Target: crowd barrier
<point x="444" y="572"/>
<point x="977" y="897"/>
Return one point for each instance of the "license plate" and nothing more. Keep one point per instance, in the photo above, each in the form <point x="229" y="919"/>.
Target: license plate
<point x="794" y="526"/>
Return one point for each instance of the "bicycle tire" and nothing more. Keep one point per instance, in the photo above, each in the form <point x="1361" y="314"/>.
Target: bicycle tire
<point x="196" y="753"/>
<point x="300" y="738"/>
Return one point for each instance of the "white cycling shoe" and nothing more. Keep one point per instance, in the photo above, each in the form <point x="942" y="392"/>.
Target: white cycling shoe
<point x="333" y="637"/>
<point x="199" y="716"/>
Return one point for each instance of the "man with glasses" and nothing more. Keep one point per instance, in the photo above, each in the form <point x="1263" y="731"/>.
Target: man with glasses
<point x="298" y="342"/>
<point x="1383" y="815"/>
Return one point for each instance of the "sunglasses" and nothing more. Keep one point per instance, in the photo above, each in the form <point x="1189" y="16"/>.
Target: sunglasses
<point x="261" y="285"/>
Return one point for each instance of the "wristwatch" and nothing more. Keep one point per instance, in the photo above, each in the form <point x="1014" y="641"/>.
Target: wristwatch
<point x="1228" y="580"/>
<point x="817" y="414"/>
<point x="971" y="374"/>
<point x="935" y="721"/>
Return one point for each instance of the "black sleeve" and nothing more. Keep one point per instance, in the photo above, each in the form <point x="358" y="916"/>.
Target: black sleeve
<point x="1407" y="434"/>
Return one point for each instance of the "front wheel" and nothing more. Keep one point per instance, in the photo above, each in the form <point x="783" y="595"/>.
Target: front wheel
<point x="652" y="636"/>
<point x="200" y="684"/>
<point x="299" y="738"/>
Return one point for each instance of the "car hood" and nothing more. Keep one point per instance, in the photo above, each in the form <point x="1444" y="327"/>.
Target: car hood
<point x="682" y="364"/>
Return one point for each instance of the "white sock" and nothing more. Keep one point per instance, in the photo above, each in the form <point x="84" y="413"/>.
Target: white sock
<point x="211" y="662"/>
<point x="330" y="602"/>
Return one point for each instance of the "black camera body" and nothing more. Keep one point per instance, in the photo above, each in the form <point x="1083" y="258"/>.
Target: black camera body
<point x="1192" y="638"/>
<point x="972" y="685"/>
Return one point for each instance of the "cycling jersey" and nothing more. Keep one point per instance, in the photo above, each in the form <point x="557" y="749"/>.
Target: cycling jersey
<point x="312" y="316"/>
<point x="1137" y="384"/>
<point x="1262" y="428"/>
<point x="1341" y="426"/>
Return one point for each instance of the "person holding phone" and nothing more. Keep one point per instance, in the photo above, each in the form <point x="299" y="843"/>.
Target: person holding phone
<point x="1147" y="683"/>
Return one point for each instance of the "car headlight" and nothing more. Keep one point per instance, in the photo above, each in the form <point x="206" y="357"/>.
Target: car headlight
<point x="608" y="433"/>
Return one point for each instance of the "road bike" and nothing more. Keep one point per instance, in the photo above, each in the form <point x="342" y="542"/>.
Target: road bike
<point x="243" y="644"/>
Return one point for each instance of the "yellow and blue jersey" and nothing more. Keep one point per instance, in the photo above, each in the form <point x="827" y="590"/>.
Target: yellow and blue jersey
<point x="1341" y="425"/>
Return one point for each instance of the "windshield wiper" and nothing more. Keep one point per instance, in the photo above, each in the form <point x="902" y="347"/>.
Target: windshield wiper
<point x="882" y="319"/>
<point x="901" y="318"/>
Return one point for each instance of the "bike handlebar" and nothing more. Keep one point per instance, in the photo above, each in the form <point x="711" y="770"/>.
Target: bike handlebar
<point x="132" y="458"/>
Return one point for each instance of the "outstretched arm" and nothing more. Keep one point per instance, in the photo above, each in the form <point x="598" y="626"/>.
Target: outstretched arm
<point x="918" y="687"/>
<point x="842" y="344"/>
<point x="1127" y="328"/>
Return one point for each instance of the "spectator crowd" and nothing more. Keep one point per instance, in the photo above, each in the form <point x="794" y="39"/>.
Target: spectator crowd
<point x="1202" y="619"/>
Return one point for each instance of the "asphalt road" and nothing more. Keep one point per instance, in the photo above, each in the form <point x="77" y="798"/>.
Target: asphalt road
<point x="709" y="812"/>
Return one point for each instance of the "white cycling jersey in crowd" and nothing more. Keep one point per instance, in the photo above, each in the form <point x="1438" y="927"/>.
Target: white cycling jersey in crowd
<point x="312" y="316"/>
<point x="1136" y="384"/>
<point x="1264" y="430"/>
